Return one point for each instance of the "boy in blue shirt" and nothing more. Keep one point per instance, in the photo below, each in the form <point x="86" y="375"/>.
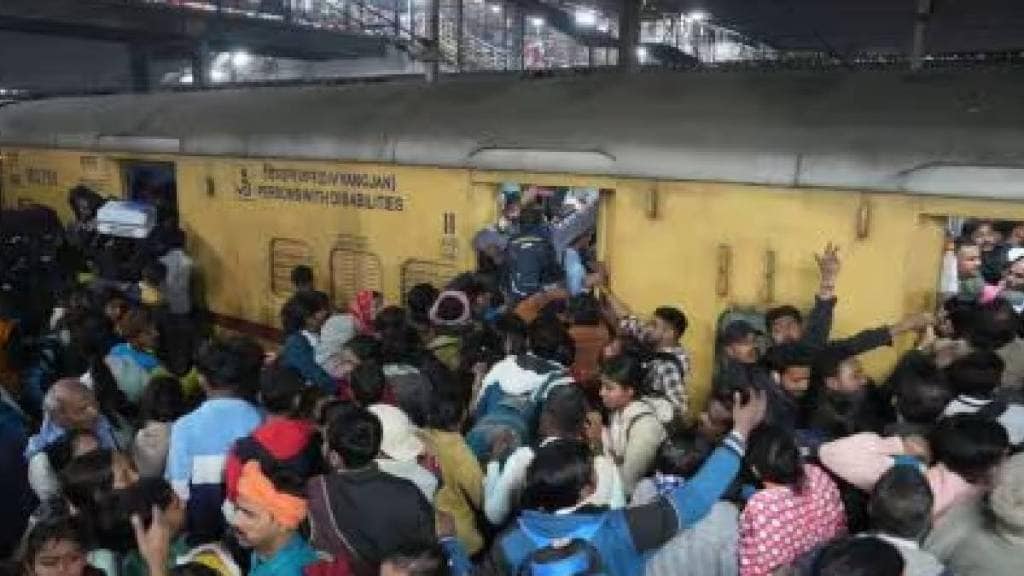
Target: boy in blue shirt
<point x="200" y="441"/>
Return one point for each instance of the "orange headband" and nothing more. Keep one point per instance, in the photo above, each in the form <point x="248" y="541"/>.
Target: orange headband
<point x="286" y="509"/>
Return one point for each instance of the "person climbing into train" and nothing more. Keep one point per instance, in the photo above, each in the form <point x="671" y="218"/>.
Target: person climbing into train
<point x="490" y="242"/>
<point x="578" y="277"/>
<point x="512" y="391"/>
<point x="530" y="262"/>
<point x="564" y="416"/>
<point x="989" y="240"/>
<point x="969" y="265"/>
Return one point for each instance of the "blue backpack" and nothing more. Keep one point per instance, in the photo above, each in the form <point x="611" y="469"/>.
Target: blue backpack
<point x="571" y="555"/>
<point x="513" y="416"/>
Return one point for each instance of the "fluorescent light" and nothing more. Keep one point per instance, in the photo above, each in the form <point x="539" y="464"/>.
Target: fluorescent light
<point x="495" y="9"/>
<point x="585" y="18"/>
<point x="641" y="53"/>
<point x="697" y="16"/>
<point x="603" y="26"/>
<point x="537" y="21"/>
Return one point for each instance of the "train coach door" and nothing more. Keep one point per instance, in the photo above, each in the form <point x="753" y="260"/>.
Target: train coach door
<point x="569" y="216"/>
<point x="153" y="183"/>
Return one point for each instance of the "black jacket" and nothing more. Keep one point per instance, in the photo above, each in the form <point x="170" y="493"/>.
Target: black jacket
<point x="367" y="514"/>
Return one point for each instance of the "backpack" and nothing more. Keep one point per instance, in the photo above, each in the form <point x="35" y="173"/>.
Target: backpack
<point x="571" y="555"/>
<point x="514" y="415"/>
<point x="528" y="260"/>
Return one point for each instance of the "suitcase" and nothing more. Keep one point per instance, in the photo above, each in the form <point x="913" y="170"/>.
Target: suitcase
<point x="126" y="219"/>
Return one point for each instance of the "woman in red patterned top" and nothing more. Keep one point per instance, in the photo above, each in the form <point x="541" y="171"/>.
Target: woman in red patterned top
<point x="798" y="508"/>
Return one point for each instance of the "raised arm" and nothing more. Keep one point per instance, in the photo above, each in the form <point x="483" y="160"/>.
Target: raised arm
<point x="872" y="338"/>
<point x="819" y="321"/>
<point x="654" y="524"/>
<point x="861" y="459"/>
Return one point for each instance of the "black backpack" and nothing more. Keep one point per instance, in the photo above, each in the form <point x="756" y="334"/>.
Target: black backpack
<point x="571" y="555"/>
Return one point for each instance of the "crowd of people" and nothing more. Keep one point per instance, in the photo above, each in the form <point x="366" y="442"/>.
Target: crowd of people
<point x="518" y="420"/>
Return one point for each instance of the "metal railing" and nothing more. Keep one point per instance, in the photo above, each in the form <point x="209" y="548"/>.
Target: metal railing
<point x="404" y="25"/>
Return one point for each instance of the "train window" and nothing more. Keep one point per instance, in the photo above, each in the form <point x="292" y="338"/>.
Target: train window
<point x="154" y="183"/>
<point x="414" y="272"/>
<point x="570" y="213"/>
<point x="352" y="271"/>
<point x="286" y="254"/>
<point x="982" y="260"/>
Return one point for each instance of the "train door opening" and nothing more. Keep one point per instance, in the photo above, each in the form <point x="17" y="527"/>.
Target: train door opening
<point x="153" y="183"/>
<point x="569" y="217"/>
<point x="983" y="259"/>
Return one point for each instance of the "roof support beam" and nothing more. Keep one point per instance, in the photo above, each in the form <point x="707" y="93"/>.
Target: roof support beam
<point x="629" y="34"/>
<point x="924" y="14"/>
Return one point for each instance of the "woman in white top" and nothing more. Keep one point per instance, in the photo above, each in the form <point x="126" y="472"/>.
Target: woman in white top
<point x="636" y="426"/>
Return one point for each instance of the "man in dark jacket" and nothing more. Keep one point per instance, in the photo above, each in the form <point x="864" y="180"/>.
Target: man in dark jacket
<point x="785" y="324"/>
<point x="357" y="511"/>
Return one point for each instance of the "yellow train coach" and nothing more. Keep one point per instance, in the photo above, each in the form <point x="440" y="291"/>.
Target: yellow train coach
<point x="716" y="188"/>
